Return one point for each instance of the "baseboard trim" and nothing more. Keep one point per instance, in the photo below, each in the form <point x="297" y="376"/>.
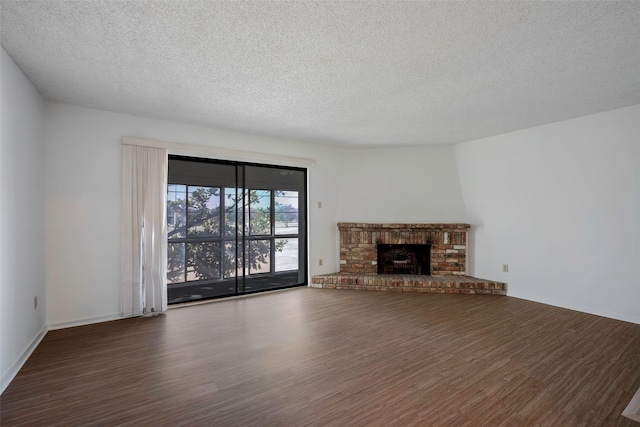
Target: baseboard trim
<point x="81" y="322"/>
<point x="11" y="373"/>
<point x="633" y="408"/>
<point x="578" y="307"/>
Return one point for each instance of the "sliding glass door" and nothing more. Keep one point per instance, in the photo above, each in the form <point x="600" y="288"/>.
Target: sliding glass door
<point x="234" y="228"/>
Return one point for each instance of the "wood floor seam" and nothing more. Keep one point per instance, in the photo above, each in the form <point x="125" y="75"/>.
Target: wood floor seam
<point x="323" y="357"/>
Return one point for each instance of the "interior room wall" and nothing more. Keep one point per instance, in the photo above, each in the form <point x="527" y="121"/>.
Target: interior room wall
<point x="560" y="204"/>
<point x="22" y="263"/>
<point x="541" y="200"/>
<point x="404" y="185"/>
<point x="83" y="186"/>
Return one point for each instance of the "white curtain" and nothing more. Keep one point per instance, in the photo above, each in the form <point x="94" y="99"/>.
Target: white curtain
<point x="144" y="230"/>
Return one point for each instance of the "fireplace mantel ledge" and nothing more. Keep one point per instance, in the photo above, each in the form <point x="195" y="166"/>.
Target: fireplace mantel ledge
<point x="364" y="225"/>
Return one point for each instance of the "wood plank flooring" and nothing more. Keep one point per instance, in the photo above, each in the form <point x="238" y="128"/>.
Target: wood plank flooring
<point x="321" y="357"/>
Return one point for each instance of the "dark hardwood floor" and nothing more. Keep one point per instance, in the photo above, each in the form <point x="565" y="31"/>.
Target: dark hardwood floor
<point x="321" y="357"/>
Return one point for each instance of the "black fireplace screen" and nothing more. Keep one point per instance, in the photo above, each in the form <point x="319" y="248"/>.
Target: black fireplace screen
<point x="404" y="259"/>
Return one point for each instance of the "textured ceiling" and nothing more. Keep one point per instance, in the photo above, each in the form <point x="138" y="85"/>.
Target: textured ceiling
<point x="353" y="73"/>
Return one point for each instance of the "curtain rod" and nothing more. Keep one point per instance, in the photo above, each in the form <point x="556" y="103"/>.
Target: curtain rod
<point x="218" y="153"/>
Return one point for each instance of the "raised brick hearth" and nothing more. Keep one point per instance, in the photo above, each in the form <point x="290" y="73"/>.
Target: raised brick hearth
<point x="409" y="283"/>
<point x="358" y="260"/>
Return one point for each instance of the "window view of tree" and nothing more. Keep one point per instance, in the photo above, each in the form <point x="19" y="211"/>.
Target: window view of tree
<point x="176" y="211"/>
<point x="286" y="223"/>
<point x="176" y="263"/>
<point x="231" y="197"/>
<point x="233" y="228"/>
<point x="286" y="210"/>
<point x="230" y="267"/>
<point x="176" y="229"/>
<point x="203" y="212"/>
<point x="259" y="212"/>
<point x="203" y="261"/>
<point x="202" y="225"/>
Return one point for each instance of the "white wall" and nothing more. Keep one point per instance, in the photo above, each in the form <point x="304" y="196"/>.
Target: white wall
<point x="22" y="263"/>
<point x="83" y="184"/>
<point x="543" y="196"/>
<point x="405" y="185"/>
<point x="560" y="204"/>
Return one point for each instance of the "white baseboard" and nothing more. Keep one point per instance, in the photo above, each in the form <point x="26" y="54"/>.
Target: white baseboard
<point x="633" y="408"/>
<point x="81" y="322"/>
<point x="581" y="308"/>
<point x="11" y="373"/>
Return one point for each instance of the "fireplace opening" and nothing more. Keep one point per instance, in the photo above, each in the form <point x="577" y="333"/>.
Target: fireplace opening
<point x="404" y="259"/>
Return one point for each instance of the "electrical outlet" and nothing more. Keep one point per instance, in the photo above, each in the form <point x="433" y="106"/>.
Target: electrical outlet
<point x="505" y="268"/>
<point x="320" y="262"/>
<point x="35" y="302"/>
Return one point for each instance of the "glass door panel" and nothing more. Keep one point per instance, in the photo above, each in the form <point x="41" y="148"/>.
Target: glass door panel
<point x="176" y="268"/>
<point x="203" y="211"/>
<point x="286" y="210"/>
<point x="287" y="254"/>
<point x="203" y="261"/>
<point x="233" y="228"/>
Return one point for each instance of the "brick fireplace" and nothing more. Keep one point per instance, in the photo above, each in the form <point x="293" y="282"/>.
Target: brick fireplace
<point x="447" y="260"/>
<point x="359" y="245"/>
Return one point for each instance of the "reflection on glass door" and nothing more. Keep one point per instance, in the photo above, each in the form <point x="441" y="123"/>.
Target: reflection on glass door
<point x="233" y="228"/>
